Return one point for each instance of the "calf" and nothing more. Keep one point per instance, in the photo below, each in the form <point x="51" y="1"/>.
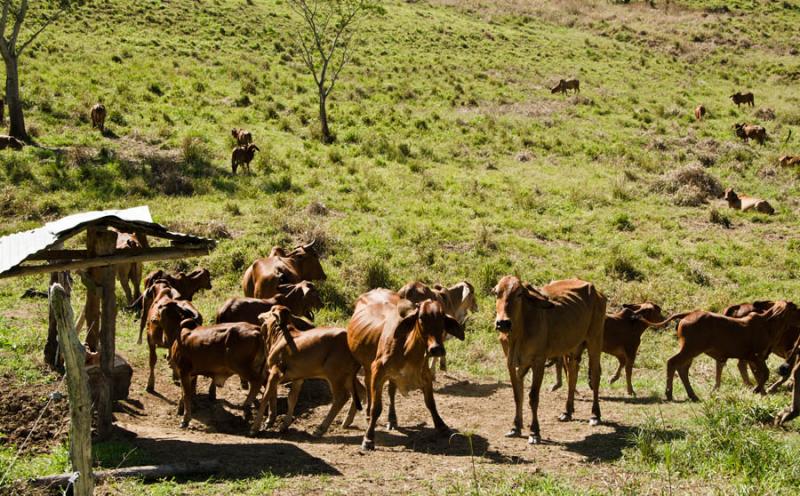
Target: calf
<point x="10" y="142"/>
<point x="457" y="300"/>
<point x="180" y="286"/>
<point x="392" y="338"/>
<point x="241" y="136"/>
<point x="749" y="338"/>
<point x="791" y="368"/>
<point x="740" y="98"/>
<point x="218" y="352"/>
<point x="699" y="112"/>
<point x="295" y="356"/>
<point x="301" y="299"/>
<point x="163" y="327"/>
<point x="566" y="84"/>
<point x="243" y="155"/>
<point x="99" y="116"/>
<point x="751" y="131"/>
<point x="130" y="274"/>
<point x="789" y="160"/>
<point x="745" y="203"/>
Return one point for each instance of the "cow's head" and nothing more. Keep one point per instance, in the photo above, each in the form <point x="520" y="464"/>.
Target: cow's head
<point x="730" y="195"/>
<point x="647" y="311"/>
<point x="556" y="88"/>
<point x="512" y="297"/>
<point x="306" y="294"/>
<point x="173" y="316"/>
<point x="273" y="323"/>
<point x="307" y="260"/>
<point x="201" y="278"/>
<point x="431" y="322"/>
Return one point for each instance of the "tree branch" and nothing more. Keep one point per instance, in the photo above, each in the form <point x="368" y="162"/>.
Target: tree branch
<point x="20" y="18"/>
<point x="46" y="23"/>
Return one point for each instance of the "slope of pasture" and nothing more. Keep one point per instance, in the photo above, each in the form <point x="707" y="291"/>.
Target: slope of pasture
<point x="452" y="160"/>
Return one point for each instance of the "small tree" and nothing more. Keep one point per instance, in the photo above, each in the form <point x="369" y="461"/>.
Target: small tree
<point x="325" y="35"/>
<point x="13" y="17"/>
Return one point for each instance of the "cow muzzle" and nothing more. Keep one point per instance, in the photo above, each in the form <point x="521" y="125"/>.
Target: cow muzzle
<point x="436" y="351"/>
<point x="784" y="369"/>
<point x="502" y="325"/>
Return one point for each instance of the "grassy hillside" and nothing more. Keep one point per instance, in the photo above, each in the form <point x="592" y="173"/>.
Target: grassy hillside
<point x="453" y="160"/>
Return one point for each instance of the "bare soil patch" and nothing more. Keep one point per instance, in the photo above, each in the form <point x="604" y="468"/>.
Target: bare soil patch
<point x="20" y="408"/>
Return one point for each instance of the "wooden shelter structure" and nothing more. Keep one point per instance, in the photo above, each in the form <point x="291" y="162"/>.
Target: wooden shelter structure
<point x="41" y="251"/>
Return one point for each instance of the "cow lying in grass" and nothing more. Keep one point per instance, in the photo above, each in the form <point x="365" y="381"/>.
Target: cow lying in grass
<point x="745" y="203"/>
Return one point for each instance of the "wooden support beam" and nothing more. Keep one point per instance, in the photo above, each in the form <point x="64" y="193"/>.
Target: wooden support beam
<point x="122" y="256"/>
<point x="80" y="400"/>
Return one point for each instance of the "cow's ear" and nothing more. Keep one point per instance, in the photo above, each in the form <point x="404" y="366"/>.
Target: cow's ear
<point x="408" y="320"/>
<point x="454" y="327"/>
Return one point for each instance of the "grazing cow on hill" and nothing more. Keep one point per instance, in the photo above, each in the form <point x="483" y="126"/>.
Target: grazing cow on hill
<point x="699" y="112"/>
<point x="751" y="131"/>
<point x="241" y="136"/>
<point x="262" y="278"/>
<point x="743" y="98"/>
<point x="98" y="115"/>
<point x="391" y="338"/>
<point x="243" y="155"/>
<point x="561" y="319"/>
<point x="566" y="84"/>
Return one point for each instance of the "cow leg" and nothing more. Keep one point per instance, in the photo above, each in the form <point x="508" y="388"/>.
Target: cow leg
<point x="718" y="375"/>
<point x="536" y="385"/>
<point x="595" y="352"/>
<point x="430" y="402"/>
<point x="351" y="413"/>
<point x="618" y="373"/>
<point x="517" y="383"/>
<point x="367" y="387"/>
<point x="377" y="379"/>
<point x="340" y="396"/>
<point x="559" y="363"/>
<point x="442" y="364"/>
<point x="432" y="367"/>
<point x="271" y="395"/>
<point x="761" y="372"/>
<point x="776" y="385"/>
<point x="572" y="381"/>
<point x="151" y="381"/>
<point x="629" y="373"/>
<point x="673" y="364"/>
<point x="794" y="410"/>
<point x="188" y="393"/>
<point x="683" y="372"/>
<point x="744" y="374"/>
<point x="294" y="394"/>
<point x="392" y="425"/>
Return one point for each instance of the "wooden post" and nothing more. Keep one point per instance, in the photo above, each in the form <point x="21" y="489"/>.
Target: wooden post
<point x="102" y="242"/>
<point x="51" y="355"/>
<point x="80" y="400"/>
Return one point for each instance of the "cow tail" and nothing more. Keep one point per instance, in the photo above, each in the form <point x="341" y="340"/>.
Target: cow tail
<point x="665" y="323"/>
<point x="356" y="399"/>
<point x="287" y="335"/>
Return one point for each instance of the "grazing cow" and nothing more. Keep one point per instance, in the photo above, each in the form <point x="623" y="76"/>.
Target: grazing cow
<point x="163" y="327"/>
<point x="295" y="356"/>
<point x="789" y="160"/>
<point x="566" y="84"/>
<point x="262" y="278"/>
<point x="791" y="369"/>
<point x="218" y="351"/>
<point x="241" y="136"/>
<point x="456" y="300"/>
<point x="99" y="116"/>
<point x="301" y="299"/>
<point x="751" y="131"/>
<point x="745" y="203"/>
<point x="10" y="142"/>
<point x="392" y="338"/>
<point x="560" y="320"/>
<point x="749" y="338"/>
<point x="130" y="274"/>
<point x="699" y="112"/>
<point x="180" y="286"/>
<point x="243" y="155"/>
<point x="622" y="335"/>
<point x="746" y="98"/>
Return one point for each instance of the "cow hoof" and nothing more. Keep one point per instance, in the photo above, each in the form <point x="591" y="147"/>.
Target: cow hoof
<point x="391" y="426"/>
<point x="555" y="387"/>
<point x="514" y="432"/>
<point x="150" y="389"/>
<point x="565" y="417"/>
<point x="594" y="421"/>
<point x="694" y="399"/>
<point x="668" y="396"/>
<point x="367" y="445"/>
<point x="534" y="439"/>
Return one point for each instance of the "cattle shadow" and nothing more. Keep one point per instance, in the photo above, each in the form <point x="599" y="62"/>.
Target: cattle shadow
<point x="634" y="400"/>
<point x="470" y="389"/>
<point x="610" y="446"/>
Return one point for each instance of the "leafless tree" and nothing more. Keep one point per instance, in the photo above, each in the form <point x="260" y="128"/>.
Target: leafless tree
<point x="325" y="35"/>
<point x="11" y="47"/>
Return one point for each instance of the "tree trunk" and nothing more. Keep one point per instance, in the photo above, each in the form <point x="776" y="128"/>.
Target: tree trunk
<point x="14" y="101"/>
<point x="323" y="118"/>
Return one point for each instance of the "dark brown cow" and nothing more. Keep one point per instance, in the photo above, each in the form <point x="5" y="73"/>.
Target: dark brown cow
<point x="392" y="339"/>
<point x="181" y="286"/>
<point x="262" y="278"/>
<point x="699" y="112"/>
<point x="218" y="352"/>
<point x="242" y="137"/>
<point x="163" y="327"/>
<point x="98" y="115"/>
<point x="301" y="299"/>
<point x="130" y="274"/>
<point x="789" y="160"/>
<point x="242" y="156"/>
<point x="749" y="338"/>
<point x="743" y="98"/>
<point x="561" y="319"/>
<point x="295" y="356"/>
<point x="791" y="369"/>
<point x="566" y="84"/>
<point x="750" y="131"/>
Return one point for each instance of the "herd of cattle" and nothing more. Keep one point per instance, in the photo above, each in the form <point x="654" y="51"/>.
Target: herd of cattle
<point x="267" y="337"/>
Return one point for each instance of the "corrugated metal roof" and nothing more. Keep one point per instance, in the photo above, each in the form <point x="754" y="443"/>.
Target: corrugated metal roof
<point x="16" y="248"/>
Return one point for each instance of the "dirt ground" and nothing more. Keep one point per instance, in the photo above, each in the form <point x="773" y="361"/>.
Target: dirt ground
<point x="21" y="408"/>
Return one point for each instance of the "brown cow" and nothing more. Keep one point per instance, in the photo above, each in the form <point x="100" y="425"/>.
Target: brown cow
<point x="10" y="142"/>
<point x="99" y="116"/>
<point x="130" y="274"/>
<point x="301" y="299"/>
<point x="566" y="84"/>
<point x="560" y="320"/>
<point x="622" y="335"/>
<point x="218" y="352"/>
<point x="699" y="112"/>
<point x="750" y="338"/>
<point x="262" y="278"/>
<point x="241" y="136"/>
<point x="180" y="286"/>
<point x="789" y="160"/>
<point x="163" y="327"/>
<point x="392" y="340"/>
<point x="295" y="356"/>
<point x="243" y="155"/>
<point x="791" y="369"/>
<point x="746" y="98"/>
<point x="750" y="131"/>
<point x="457" y="300"/>
<point x="745" y="203"/>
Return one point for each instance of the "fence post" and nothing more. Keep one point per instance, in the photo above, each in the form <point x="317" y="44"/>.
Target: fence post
<point x="80" y="400"/>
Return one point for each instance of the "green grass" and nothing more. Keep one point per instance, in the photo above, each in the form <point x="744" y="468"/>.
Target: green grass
<point x="452" y="161"/>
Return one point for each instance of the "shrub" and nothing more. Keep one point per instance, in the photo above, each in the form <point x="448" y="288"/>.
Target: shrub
<point x="622" y="223"/>
<point x="620" y="267"/>
<point x="377" y="275"/>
